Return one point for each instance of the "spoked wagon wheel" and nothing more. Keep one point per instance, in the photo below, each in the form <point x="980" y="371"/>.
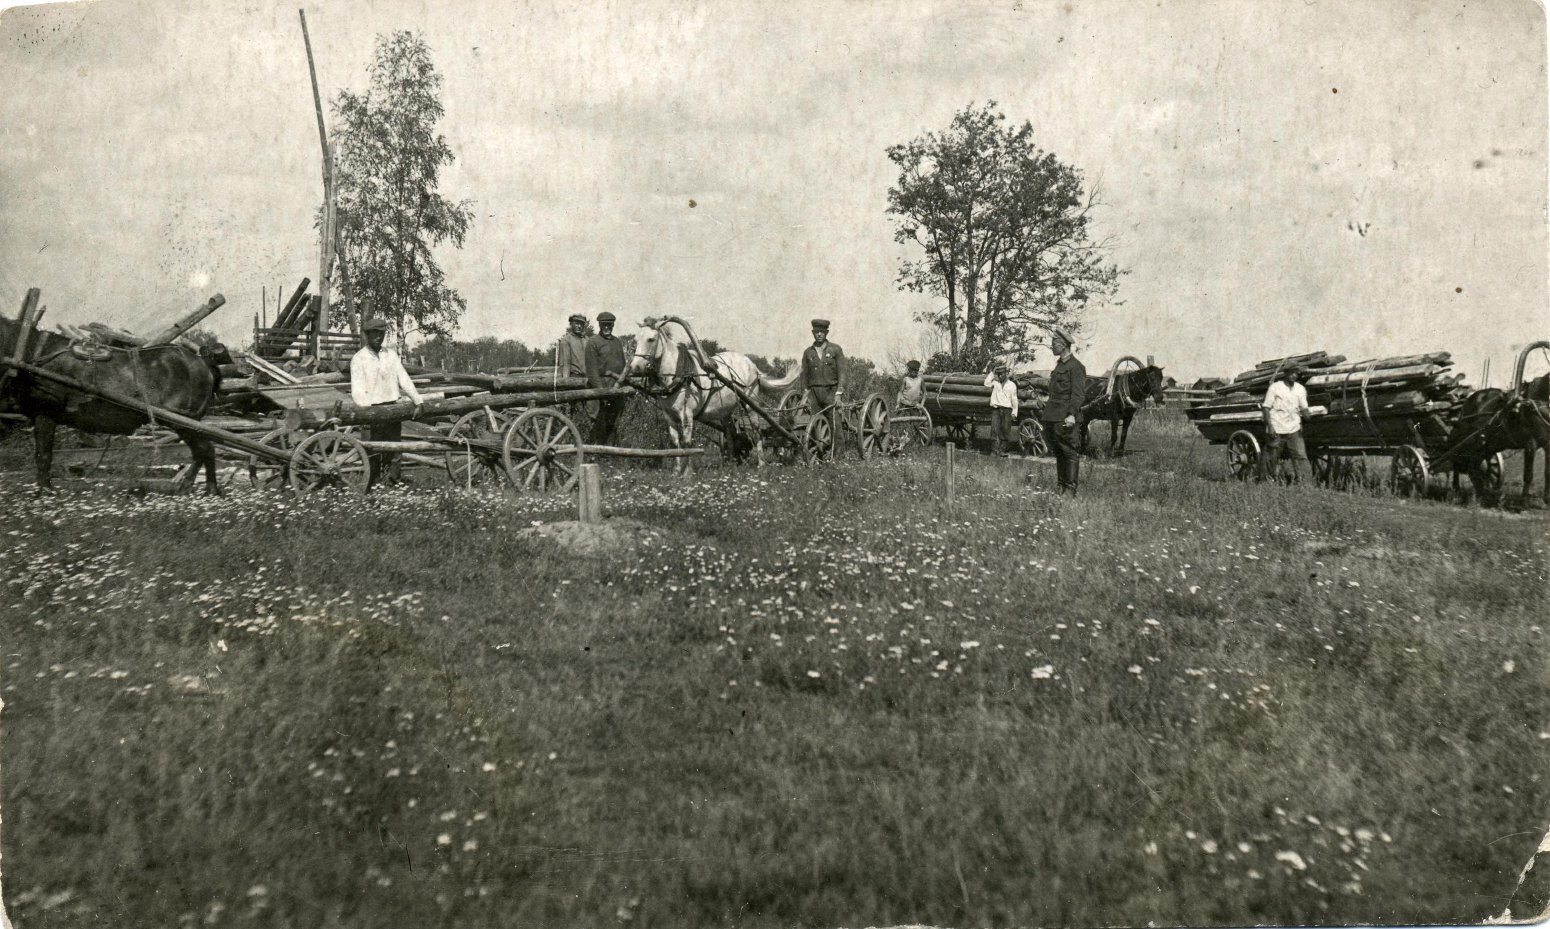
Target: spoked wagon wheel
<point x="543" y="451"/>
<point x="467" y="467"/>
<point x="330" y="459"/>
<point x="1242" y="455"/>
<point x="818" y="439"/>
<point x="791" y="401"/>
<point x="1486" y="476"/>
<point x="1409" y="475"/>
<point x="872" y="426"/>
<point x="1030" y="435"/>
<point x="268" y="473"/>
<point x="959" y="434"/>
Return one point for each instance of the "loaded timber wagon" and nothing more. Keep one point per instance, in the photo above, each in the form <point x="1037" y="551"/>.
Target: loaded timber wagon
<point x="1403" y="409"/>
<point x="959" y="404"/>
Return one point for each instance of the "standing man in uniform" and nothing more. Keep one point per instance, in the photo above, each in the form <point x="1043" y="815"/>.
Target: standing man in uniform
<point x="1003" y="408"/>
<point x="1067" y="390"/>
<point x="823" y="367"/>
<point x="1286" y="403"/>
<point x="570" y="355"/>
<point x="605" y="365"/>
<point x="377" y="377"/>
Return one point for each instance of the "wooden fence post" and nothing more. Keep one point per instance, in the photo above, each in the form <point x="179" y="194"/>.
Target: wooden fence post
<point x="952" y="450"/>
<point x="591" y="496"/>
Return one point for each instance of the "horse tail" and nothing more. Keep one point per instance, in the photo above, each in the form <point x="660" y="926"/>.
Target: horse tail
<point x="777" y="384"/>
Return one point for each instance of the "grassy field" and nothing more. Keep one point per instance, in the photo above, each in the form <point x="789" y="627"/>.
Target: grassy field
<point x="795" y="697"/>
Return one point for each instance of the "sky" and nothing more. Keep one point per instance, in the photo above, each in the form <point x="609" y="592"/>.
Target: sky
<point x="1367" y="178"/>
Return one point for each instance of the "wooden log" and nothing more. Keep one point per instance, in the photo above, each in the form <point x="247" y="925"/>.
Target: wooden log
<point x="349" y="414"/>
<point x="284" y="318"/>
<point x="114" y="336"/>
<point x="27" y="322"/>
<point x="187" y="321"/>
<point x="614" y="451"/>
<point x="590" y="497"/>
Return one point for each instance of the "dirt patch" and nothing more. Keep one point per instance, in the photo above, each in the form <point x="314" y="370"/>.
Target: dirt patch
<point x="604" y="538"/>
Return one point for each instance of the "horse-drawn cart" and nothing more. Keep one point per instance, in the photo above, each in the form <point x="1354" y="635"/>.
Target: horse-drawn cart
<point x="1407" y="413"/>
<point x="490" y="441"/>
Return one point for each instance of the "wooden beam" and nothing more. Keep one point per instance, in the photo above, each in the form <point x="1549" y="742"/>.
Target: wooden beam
<point x="326" y="258"/>
<point x="28" y="321"/>
<point x="187" y="321"/>
<point x="283" y="318"/>
<point x="348" y="414"/>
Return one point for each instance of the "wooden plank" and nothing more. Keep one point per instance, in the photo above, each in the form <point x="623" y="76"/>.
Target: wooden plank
<point x="28" y="321"/>
<point x="274" y="372"/>
<point x="187" y="321"/>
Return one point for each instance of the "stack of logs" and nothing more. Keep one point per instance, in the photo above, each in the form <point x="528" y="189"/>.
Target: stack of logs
<point x="1383" y="398"/>
<point x="961" y="393"/>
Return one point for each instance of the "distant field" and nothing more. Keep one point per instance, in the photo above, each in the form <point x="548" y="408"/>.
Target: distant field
<point x="796" y="697"/>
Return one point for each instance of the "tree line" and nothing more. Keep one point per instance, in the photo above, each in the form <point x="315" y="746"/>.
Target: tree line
<point x="996" y="229"/>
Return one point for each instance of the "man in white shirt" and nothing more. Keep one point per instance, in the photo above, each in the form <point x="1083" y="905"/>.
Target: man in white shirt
<point x="1003" y="408"/>
<point x="1286" y="403"/>
<point x="377" y="377"/>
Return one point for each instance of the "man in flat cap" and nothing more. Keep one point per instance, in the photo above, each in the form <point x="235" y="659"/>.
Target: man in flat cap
<point x="1067" y="390"/>
<point x="823" y="367"/>
<point x="605" y="365"/>
<point x="570" y="355"/>
<point x="1003" y="408"/>
<point x="377" y="376"/>
<point x="1285" y="405"/>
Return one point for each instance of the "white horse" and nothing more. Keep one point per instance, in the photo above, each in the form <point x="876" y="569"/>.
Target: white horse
<point x="668" y="369"/>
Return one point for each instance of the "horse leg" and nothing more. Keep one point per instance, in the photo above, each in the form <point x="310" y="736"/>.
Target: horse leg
<point x="43" y="450"/>
<point x="203" y="452"/>
<point x="1114" y="441"/>
<point x="1528" y="474"/>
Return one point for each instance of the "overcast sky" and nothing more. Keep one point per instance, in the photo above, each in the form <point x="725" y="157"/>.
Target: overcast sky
<point x="1367" y="178"/>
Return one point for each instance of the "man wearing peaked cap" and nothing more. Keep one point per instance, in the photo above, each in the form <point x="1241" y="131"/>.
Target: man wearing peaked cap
<point x="605" y="367"/>
<point x="1067" y="390"/>
<point x="570" y="354"/>
<point x="378" y="376"/>
<point x="823" y="370"/>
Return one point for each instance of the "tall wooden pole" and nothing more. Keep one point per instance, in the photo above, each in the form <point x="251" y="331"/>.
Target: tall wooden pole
<point x="326" y="258"/>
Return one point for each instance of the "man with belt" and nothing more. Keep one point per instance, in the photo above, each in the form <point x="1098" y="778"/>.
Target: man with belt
<point x="570" y="355"/>
<point x="605" y="365"/>
<point x="377" y="377"/>
<point x="823" y="366"/>
<point x="1003" y="408"/>
<point x="1067" y="390"/>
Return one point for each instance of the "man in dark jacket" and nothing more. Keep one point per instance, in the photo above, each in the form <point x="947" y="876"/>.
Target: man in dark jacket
<point x="823" y="366"/>
<point x="1067" y="390"/>
<point x="605" y="364"/>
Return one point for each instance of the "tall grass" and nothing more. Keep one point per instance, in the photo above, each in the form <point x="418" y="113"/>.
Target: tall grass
<point x="798" y="696"/>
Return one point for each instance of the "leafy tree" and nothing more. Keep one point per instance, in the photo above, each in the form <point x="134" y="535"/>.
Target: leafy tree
<point x="1004" y="230"/>
<point x="388" y="158"/>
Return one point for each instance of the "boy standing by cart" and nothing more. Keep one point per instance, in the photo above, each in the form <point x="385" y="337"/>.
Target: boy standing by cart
<point x="1286" y="403"/>
<point x="1003" y="408"/>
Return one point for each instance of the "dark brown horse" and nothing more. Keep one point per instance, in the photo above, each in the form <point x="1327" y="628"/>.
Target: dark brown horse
<point x="1119" y="405"/>
<point x="1492" y="420"/>
<point x="170" y="377"/>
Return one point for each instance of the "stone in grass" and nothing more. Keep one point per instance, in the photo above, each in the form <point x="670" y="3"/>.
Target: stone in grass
<point x="601" y="538"/>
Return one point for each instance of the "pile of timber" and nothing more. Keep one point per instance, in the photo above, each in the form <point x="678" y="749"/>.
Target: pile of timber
<point x="1383" y="399"/>
<point x="965" y="393"/>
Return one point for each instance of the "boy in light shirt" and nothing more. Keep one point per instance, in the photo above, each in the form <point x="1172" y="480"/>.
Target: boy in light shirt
<point x="1286" y="403"/>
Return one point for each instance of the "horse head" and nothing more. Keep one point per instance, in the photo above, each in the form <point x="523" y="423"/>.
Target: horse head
<point x="1154" y="383"/>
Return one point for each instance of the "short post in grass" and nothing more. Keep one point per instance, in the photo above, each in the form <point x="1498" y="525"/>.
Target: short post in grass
<point x="590" y="498"/>
<point x="952" y="456"/>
